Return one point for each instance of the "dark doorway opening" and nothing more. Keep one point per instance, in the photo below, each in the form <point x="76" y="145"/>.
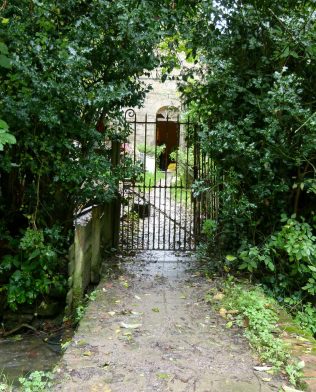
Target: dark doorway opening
<point x="167" y="134"/>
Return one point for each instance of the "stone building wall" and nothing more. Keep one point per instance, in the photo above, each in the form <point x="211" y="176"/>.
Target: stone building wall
<point x="162" y="95"/>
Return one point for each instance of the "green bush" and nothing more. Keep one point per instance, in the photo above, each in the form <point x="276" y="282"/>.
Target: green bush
<point x="154" y="151"/>
<point x="286" y="264"/>
<point x="35" y="270"/>
<point x="251" y="309"/>
<point x="287" y="258"/>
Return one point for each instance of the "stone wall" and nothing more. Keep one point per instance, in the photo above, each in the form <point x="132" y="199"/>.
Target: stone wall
<point x="93" y="235"/>
<point x="162" y="95"/>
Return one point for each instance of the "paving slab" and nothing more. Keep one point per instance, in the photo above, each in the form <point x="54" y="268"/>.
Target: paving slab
<point x="150" y="330"/>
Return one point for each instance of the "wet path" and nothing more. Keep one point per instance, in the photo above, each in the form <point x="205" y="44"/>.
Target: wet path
<point x="152" y="331"/>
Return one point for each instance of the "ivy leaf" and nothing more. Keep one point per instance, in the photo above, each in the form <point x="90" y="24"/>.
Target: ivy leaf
<point x="3" y="48"/>
<point x="312" y="268"/>
<point x="230" y="258"/>
<point x="3" y="125"/>
<point x="5" y="61"/>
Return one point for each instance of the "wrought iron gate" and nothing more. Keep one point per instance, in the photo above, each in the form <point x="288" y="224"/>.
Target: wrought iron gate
<point x="159" y="209"/>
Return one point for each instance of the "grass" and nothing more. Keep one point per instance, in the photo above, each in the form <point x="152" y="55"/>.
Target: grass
<point x="150" y="178"/>
<point x="5" y="384"/>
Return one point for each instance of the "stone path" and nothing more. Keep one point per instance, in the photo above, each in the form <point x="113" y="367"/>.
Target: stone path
<point x="151" y="331"/>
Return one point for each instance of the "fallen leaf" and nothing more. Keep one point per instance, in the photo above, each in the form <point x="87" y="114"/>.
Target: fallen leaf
<point x="183" y="296"/>
<point x="162" y="376"/>
<point x="81" y="342"/>
<point x="130" y="326"/>
<point x="16" y="338"/>
<point x="265" y="379"/>
<point x="156" y="310"/>
<point x="300" y="365"/>
<point x="88" y="353"/>
<point x="233" y="311"/>
<point x="289" y="389"/>
<point x="223" y="312"/>
<point x="111" y="313"/>
<point x="136" y="313"/>
<point x="137" y="297"/>
<point x="229" y="324"/>
<point x="218" y="296"/>
<point x="262" y="368"/>
<point x="96" y="388"/>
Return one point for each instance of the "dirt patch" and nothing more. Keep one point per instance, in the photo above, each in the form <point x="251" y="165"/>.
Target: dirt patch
<point x="151" y="330"/>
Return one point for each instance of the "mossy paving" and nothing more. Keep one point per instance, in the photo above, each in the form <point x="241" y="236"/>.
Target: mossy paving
<point x="151" y="330"/>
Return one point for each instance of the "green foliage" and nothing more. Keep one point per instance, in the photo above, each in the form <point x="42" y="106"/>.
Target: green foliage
<point x="35" y="270"/>
<point x="73" y="68"/>
<point x="286" y="264"/>
<point x="154" y="151"/>
<point x="81" y="309"/>
<point x="148" y="179"/>
<point x="67" y="69"/>
<point x="4" y="59"/>
<point x="287" y="258"/>
<point x="37" y="382"/>
<point x="209" y="227"/>
<point x="258" y="314"/>
<point x="254" y="91"/>
<point x="185" y="161"/>
<point x="306" y="317"/>
<point x="5" y="136"/>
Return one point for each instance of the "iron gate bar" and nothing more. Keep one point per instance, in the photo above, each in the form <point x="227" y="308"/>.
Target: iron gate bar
<point x="177" y="213"/>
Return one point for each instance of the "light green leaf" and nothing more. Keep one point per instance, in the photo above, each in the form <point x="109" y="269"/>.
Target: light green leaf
<point x="230" y="258"/>
<point x="312" y="268"/>
<point x="3" y="125"/>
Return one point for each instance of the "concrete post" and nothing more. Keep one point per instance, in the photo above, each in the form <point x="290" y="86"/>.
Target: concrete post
<point x="77" y="283"/>
<point x="96" y="245"/>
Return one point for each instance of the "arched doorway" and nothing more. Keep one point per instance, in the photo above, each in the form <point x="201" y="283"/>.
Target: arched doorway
<point x="167" y="133"/>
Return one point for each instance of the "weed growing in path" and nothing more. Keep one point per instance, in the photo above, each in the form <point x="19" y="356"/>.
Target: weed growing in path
<point x="248" y="307"/>
<point x="81" y="309"/>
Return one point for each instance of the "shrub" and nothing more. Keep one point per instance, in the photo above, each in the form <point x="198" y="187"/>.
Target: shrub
<point x="35" y="270"/>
